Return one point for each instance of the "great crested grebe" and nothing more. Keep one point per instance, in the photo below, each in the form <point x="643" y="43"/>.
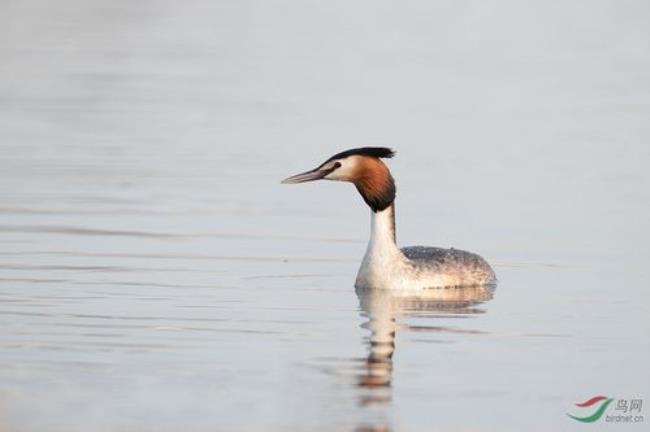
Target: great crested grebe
<point x="385" y="265"/>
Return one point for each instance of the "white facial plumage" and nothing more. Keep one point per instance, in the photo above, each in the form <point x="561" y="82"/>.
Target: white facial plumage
<point x="346" y="170"/>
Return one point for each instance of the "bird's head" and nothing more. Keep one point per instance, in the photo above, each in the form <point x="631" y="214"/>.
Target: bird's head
<point x="362" y="167"/>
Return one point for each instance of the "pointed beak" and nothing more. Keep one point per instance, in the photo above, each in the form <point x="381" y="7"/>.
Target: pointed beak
<point x="315" y="174"/>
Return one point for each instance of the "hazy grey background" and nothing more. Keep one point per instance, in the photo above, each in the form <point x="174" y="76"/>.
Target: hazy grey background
<point x="154" y="274"/>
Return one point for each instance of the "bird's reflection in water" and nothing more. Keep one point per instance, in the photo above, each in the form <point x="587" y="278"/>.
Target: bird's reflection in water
<point x="386" y="311"/>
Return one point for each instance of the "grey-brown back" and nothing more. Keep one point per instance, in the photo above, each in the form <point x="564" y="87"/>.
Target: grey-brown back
<point x="451" y="260"/>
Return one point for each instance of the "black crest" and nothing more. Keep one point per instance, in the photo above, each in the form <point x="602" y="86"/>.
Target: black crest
<point x="377" y="152"/>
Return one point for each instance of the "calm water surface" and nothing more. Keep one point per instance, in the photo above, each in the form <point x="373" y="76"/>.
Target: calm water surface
<point x="154" y="274"/>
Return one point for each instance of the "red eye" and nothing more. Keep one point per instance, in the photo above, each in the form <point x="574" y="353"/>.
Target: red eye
<point x="337" y="165"/>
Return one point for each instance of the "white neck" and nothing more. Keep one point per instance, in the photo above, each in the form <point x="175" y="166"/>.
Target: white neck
<point x="382" y="253"/>
<point x="382" y="227"/>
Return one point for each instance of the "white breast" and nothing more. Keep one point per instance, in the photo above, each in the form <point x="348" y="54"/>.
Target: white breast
<point x="384" y="265"/>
